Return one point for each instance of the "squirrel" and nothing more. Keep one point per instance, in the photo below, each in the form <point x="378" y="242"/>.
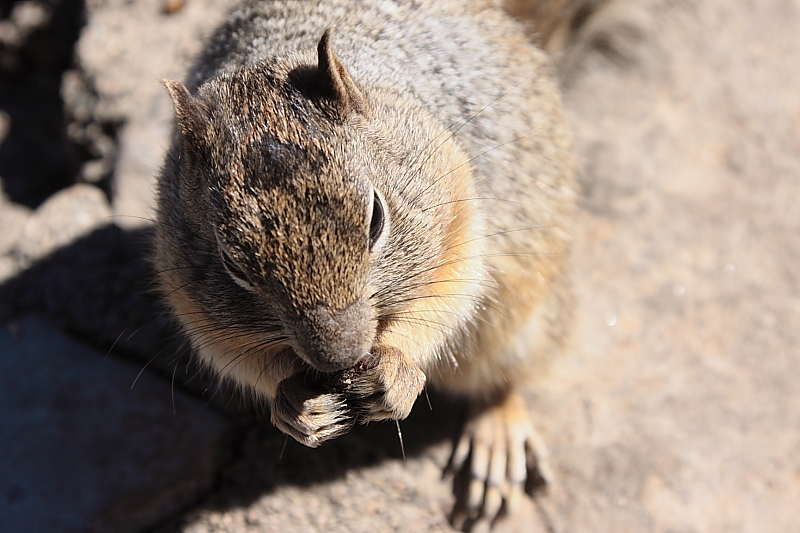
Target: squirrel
<point x="365" y="198"/>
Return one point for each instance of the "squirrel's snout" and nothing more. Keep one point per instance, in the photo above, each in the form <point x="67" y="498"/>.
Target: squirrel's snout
<point x="335" y="340"/>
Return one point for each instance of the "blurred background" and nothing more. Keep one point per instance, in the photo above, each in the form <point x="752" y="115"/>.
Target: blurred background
<point x="673" y="409"/>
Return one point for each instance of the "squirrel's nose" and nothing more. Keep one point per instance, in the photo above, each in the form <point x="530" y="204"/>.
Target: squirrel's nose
<point x="335" y="340"/>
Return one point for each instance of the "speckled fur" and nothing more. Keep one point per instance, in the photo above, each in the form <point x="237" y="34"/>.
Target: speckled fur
<point x="454" y="118"/>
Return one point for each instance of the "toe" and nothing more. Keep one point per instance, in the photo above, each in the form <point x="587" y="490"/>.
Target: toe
<point x="540" y="474"/>
<point x="492" y="502"/>
<point x="504" y="457"/>
<point x="514" y="498"/>
<point x="496" y="481"/>
<point x="479" y="468"/>
<point x="460" y="453"/>
<point x="310" y="417"/>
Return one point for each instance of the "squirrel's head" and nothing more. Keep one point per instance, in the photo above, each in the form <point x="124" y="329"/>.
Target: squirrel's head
<point x="311" y="210"/>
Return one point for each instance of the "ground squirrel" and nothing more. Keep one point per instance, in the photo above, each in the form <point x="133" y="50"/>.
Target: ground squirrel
<point x="363" y="198"/>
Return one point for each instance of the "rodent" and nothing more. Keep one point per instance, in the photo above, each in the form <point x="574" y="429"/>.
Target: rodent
<point x="346" y="216"/>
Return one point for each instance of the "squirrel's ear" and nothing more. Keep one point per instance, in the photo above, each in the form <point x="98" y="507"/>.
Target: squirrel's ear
<point x="191" y="113"/>
<point x="335" y="81"/>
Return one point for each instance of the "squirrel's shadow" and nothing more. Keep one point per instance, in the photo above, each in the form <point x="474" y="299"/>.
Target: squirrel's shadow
<point x="100" y="288"/>
<point x="268" y="459"/>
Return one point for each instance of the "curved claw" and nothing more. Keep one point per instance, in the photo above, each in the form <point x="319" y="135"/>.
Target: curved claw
<point x="311" y="417"/>
<point x="388" y="388"/>
<point x="500" y="456"/>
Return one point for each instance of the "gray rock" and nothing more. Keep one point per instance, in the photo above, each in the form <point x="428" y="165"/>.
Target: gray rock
<point x="12" y="221"/>
<point x="9" y="267"/>
<point x="89" y="444"/>
<point x="66" y="216"/>
<point x="126" y="50"/>
<point x="101" y="287"/>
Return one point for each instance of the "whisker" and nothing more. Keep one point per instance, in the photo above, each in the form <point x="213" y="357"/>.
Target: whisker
<point x="469" y="200"/>
<point x="435" y="311"/>
<point x="464" y="122"/>
<point x="468" y="161"/>
<point x="121" y="333"/>
<point x="285" y="441"/>
<point x="181" y="287"/>
<point x="157" y="222"/>
<point x="443" y="328"/>
<point x="481" y="256"/>
<point x="485" y="283"/>
<point x="184" y="267"/>
<point x="468" y="298"/>
<point x="400" y="436"/>
<point x="402" y="284"/>
<point x="174" y="408"/>
<point x="243" y="355"/>
<point x="496" y="234"/>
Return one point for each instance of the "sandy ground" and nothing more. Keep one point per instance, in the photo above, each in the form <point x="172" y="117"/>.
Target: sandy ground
<point x="674" y="408"/>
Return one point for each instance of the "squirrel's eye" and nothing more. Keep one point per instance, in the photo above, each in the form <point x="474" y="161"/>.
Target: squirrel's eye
<point x="376" y="222"/>
<point x="233" y="269"/>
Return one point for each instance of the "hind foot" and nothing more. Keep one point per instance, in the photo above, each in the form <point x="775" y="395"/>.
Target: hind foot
<point x="500" y="456"/>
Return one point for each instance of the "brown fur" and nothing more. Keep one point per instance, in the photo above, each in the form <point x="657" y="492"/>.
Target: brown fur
<point x="453" y="118"/>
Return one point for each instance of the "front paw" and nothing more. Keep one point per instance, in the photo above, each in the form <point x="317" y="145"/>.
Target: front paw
<point x="386" y="386"/>
<point x="310" y="415"/>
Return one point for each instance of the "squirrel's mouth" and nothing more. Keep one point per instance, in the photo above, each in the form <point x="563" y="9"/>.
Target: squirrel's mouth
<point x="341" y="380"/>
<point x="333" y="340"/>
<point x="320" y="363"/>
<point x="336" y="379"/>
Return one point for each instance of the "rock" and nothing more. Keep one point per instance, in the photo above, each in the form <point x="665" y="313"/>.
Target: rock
<point x="87" y="443"/>
<point x="101" y="287"/>
<point x="12" y="221"/>
<point x="9" y="267"/>
<point x="36" y="38"/>
<point x="358" y="483"/>
<point x="67" y="215"/>
<point x="126" y="50"/>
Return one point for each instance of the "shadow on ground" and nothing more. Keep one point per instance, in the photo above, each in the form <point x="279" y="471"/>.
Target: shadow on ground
<point x="99" y="289"/>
